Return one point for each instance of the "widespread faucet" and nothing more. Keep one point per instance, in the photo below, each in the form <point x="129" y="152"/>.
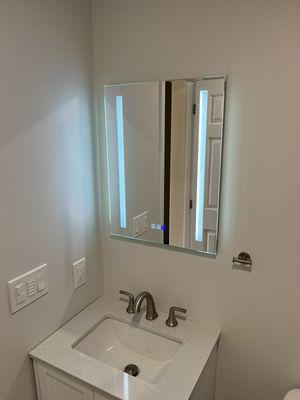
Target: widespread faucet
<point x="151" y="310"/>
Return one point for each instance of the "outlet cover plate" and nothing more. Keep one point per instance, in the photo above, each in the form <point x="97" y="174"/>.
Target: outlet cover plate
<point x="27" y="288"/>
<point x="79" y="273"/>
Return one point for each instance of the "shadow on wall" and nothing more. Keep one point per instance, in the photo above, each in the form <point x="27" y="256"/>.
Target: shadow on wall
<point x="48" y="210"/>
<point x="24" y="379"/>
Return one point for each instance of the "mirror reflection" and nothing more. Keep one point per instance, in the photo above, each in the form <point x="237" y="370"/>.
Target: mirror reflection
<point x="164" y="147"/>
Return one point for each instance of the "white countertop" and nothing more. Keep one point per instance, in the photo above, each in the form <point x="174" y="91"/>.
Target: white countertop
<point x="177" y="382"/>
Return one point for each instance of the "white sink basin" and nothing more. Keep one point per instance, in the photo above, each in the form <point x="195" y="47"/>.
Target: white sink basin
<point x="118" y="344"/>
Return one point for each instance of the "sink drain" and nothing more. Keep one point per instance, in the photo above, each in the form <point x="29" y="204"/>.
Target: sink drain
<point x="131" y="369"/>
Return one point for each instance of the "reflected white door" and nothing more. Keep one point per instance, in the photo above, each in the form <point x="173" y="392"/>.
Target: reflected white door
<point x="206" y="164"/>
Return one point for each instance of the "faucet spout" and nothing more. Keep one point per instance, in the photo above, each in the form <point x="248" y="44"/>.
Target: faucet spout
<point x="151" y="310"/>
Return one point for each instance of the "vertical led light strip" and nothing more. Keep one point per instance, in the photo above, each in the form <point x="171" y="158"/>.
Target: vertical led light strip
<point x="121" y="163"/>
<point x="201" y="164"/>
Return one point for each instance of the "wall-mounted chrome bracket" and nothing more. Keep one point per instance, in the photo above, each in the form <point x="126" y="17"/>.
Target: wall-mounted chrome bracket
<point x="243" y="262"/>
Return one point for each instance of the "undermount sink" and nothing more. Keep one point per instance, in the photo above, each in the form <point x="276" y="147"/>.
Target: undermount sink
<point x="118" y="344"/>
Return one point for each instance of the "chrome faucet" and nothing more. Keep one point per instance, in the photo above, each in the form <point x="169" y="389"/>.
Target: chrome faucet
<point x="151" y="310"/>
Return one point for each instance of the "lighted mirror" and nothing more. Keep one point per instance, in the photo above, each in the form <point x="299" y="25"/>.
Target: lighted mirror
<point x="164" y="147"/>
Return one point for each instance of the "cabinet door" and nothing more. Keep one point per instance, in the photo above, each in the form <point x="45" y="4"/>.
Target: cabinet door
<point x="54" y="385"/>
<point x="98" y="396"/>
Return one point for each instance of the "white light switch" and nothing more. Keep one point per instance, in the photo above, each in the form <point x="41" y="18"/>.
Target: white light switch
<point x="41" y="286"/>
<point x="20" y="293"/>
<point x="140" y="224"/>
<point x="28" y="287"/>
<point x="79" y="273"/>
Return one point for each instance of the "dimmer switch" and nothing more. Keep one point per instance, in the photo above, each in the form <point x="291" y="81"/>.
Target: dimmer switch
<point x="31" y="287"/>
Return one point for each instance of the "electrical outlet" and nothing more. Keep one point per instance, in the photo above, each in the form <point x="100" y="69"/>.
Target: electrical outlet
<point x="79" y="273"/>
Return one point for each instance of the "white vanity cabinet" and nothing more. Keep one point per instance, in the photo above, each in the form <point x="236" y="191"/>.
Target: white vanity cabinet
<point x="85" y="358"/>
<point x="53" y="384"/>
<point x="98" y="396"/>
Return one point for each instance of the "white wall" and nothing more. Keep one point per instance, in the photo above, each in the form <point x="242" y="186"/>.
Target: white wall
<point x="257" y="44"/>
<point x="47" y="205"/>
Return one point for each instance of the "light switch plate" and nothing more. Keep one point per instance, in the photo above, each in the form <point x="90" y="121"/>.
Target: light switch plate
<point x="140" y="224"/>
<point x="79" y="273"/>
<point x="27" y="288"/>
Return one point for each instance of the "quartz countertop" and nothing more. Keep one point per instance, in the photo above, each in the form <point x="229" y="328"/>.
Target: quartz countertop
<point x="178" y="381"/>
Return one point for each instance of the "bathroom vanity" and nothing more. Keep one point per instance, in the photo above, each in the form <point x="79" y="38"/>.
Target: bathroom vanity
<point x="85" y="359"/>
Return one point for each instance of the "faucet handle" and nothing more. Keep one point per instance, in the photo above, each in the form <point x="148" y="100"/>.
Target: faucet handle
<point x="130" y="308"/>
<point x="172" y="321"/>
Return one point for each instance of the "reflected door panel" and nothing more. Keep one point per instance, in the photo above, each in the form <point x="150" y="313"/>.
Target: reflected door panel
<point x="206" y="167"/>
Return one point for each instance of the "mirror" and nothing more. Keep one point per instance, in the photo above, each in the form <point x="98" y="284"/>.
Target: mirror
<point x="164" y="148"/>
